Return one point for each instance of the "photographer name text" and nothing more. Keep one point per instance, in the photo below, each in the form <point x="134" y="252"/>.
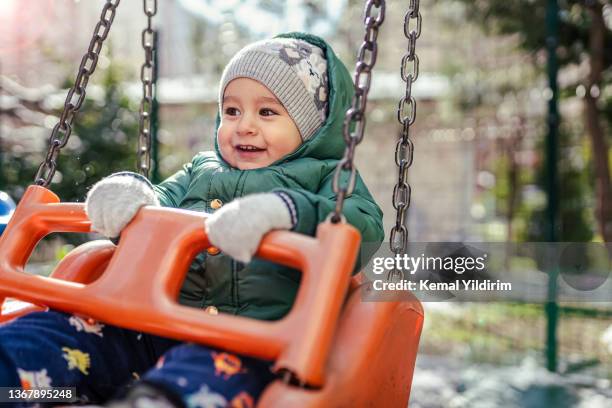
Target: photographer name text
<point x="427" y="285"/>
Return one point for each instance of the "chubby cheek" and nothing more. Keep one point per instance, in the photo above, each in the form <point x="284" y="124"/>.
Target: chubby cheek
<point x="282" y="146"/>
<point x="225" y="145"/>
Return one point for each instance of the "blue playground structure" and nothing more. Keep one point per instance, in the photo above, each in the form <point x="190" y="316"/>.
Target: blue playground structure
<point x="7" y="207"/>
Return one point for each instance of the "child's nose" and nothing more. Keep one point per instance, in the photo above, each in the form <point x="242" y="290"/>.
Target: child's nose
<point x="246" y="125"/>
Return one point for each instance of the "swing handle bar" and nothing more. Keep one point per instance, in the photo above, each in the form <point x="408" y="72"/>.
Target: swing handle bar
<point x="139" y="288"/>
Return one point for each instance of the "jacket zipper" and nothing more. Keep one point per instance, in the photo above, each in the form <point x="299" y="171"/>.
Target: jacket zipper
<point x="235" y="285"/>
<point x="234" y="263"/>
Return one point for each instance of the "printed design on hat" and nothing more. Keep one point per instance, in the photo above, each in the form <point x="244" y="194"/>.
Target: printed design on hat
<point x="310" y="66"/>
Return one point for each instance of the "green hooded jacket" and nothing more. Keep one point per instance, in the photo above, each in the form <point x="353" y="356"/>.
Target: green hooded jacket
<point x="261" y="289"/>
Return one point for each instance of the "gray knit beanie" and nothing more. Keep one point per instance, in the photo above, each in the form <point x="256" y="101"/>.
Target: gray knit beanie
<point x="295" y="71"/>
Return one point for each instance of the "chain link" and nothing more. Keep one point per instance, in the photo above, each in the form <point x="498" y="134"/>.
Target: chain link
<point x="147" y="73"/>
<point x="76" y="95"/>
<point x="404" y="150"/>
<point x="355" y="121"/>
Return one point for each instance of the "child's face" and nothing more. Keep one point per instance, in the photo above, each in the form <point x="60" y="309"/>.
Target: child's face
<point x="255" y="129"/>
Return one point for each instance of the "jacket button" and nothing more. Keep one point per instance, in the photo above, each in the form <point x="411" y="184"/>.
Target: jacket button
<point x="211" y="310"/>
<point x="212" y="251"/>
<point x="216" y="204"/>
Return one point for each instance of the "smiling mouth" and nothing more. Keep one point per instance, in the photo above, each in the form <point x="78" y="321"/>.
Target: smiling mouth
<point x="249" y="148"/>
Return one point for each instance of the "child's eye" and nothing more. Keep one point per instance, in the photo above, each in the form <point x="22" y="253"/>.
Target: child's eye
<point x="231" y="111"/>
<point x="267" y="112"/>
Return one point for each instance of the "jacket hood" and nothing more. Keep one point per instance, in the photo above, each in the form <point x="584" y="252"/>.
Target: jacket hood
<point x="327" y="142"/>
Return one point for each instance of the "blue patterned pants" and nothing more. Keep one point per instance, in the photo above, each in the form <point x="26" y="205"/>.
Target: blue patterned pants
<point x="54" y="349"/>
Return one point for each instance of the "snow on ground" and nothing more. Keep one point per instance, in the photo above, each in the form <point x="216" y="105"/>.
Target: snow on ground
<point x="441" y="382"/>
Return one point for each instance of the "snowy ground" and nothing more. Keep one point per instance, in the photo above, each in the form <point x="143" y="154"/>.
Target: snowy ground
<point x="446" y="383"/>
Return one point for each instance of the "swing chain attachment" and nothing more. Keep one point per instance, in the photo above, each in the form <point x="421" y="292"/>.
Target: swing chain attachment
<point x="147" y="76"/>
<point x="404" y="150"/>
<point x="355" y="120"/>
<point x="76" y="95"/>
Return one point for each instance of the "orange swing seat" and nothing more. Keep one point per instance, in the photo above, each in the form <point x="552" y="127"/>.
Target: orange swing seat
<point x="344" y="354"/>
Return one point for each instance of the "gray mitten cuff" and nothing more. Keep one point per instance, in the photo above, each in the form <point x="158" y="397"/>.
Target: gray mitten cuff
<point x="290" y="206"/>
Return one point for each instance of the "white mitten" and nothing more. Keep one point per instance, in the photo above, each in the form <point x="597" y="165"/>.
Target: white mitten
<point x="238" y="227"/>
<point x="114" y="201"/>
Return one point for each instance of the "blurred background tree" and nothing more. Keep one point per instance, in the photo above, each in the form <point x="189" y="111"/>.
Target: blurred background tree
<point x="574" y="198"/>
<point x="103" y="141"/>
<point x="585" y="46"/>
<point x="99" y="149"/>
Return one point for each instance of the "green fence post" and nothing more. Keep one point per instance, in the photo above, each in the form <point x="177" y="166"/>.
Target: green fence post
<point x="155" y="177"/>
<point x="552" y="309"/>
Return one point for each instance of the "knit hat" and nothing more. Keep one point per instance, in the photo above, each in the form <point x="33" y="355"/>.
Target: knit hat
<point x="295" y="71"/>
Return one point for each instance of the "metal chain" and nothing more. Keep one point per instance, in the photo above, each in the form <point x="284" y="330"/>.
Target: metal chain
<point x="355" y="120"/>
<point x="406" y="115"/>
<point x="76" y="95"/>
<point x="147" y="73"/>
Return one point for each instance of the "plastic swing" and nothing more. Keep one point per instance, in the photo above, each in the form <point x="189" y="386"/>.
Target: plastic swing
<point x="331" y="350"/>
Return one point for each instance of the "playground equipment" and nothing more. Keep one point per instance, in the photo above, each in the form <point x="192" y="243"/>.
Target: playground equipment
<point x="7" y="207"/>
<point x="331" y="350"/>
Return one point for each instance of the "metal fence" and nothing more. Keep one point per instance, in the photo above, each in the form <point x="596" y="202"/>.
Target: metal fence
<point x="507" y="333"/>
